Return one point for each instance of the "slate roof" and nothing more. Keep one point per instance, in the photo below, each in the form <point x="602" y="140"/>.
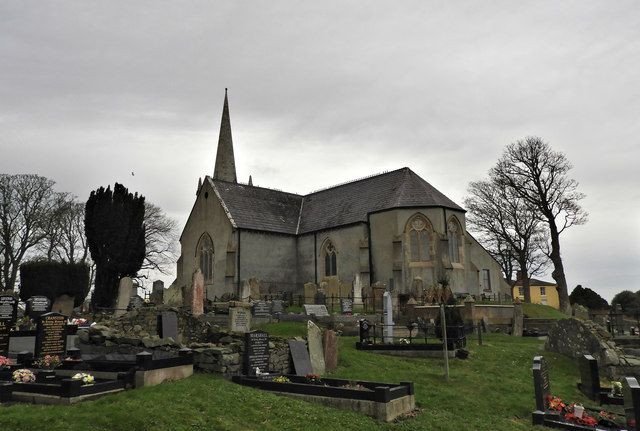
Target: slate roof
<point x="279" y="212"/>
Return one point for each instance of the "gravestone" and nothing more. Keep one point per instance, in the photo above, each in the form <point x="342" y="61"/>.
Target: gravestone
<point x="254" y="287"/>
<point x="277" y="307"/>
<point x="316" y="352"/>
<point x="300" y="357"/>
<point x="256" y="352"/>
<point x="168" y="325"/>
<point x="540" y="381"/>
<point x="261" y="309"/>
<point x="330" y="347"/>
<point x="346" y="306"/>
<point x="357" y="290"/>
<point x="51" y="336"/>
<point x="135" y="302"/>
<point x="124" y="296"/>
<point x="309" y="291"/>
<point x="318" y="310"/>
<point x="320" y="299"/>
<point x="197" y="293"/>
<point x="387" y="331"/>
<point x="590" y="377"/>
<point x="245" y="291"/>
<point x="239" y="319"/>
<point x="631" y="394"/>
<point x="37" y="306"/>
<point x="9" y="309"/>
<point x="157" y="292"/>
<point x="63" y="304"/>
<point x="5" y="327"/>
<point x="364" y="330"/>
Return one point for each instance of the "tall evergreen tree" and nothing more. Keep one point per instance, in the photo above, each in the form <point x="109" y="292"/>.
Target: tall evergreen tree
<point x="115" y="231"/>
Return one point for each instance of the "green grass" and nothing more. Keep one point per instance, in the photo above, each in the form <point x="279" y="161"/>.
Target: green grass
<point x="491" y="390"/>
<point x="539" y="311"/>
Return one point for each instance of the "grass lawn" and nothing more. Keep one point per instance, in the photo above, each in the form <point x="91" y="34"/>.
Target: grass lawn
<point x="491" y="390"/>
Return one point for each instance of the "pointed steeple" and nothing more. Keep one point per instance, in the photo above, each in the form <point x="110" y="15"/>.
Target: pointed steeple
<point x="225" y="168"/>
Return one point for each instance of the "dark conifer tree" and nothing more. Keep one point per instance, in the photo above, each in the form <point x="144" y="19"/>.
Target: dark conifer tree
<point x="114" y="227"/>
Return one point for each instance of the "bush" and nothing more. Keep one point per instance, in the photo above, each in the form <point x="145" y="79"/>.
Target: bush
<point x="53" y="279"/>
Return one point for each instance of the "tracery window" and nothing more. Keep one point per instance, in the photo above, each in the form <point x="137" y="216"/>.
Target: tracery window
<point x="453" y="234"/>
<point x="205" y="256"/>
<point x="330" y="259"/>
<point x="420" y="232"/>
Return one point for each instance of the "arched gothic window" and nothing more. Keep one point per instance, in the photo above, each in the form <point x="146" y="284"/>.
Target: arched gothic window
<point x="205" y="256"/>
<point x="420" y="239"/>
<point x="453" y="234"/>
<point x="330" y="259"/>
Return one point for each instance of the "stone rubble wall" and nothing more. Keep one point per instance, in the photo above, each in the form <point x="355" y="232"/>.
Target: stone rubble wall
<point x="215" y="349"/>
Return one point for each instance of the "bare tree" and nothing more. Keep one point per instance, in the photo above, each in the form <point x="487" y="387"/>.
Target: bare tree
<point x="161" y="238"/>
<point x="64" y="239"/>
<point x="509" y="229"/>
<point x="27" y="204"/>
<point x="538" y="175"/>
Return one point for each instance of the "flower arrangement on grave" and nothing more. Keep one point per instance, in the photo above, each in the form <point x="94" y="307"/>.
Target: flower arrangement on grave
<point x="48" y="362"/>
<point x="616" y="389"/>
<point x="4" y="362"/>
<point x="282" y="379"/>
<point x="87" y="379"/>
<point x="575" y="413"/>
<point x="25" y="324"/>
<point x="23" y="375"/>
<point x="354" y="385"/>
<point x="313" y="379"/>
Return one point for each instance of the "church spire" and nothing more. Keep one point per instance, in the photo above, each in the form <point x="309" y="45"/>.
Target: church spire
<point x="225" y="168"/>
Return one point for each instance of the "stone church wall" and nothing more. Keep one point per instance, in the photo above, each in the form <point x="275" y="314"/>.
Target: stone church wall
<point x="269" y="257"/>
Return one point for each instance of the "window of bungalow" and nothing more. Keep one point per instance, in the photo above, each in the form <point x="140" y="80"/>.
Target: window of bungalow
<point x="453" y="235"/>
<point x="486" y="280"/>
<point x="419" y="231"/>
<point x="330" y="259"/>
<point x="205" y="256"/>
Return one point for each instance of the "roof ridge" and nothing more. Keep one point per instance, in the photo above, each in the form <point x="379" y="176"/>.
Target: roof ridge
<point x="355" y="181"/>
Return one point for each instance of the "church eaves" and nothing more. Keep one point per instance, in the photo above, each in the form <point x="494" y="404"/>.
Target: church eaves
<point x="225" y="166"/>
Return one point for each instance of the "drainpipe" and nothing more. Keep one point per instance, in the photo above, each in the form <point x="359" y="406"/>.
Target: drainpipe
<point x="238" y="264"/>
<point x="371" y="278"/>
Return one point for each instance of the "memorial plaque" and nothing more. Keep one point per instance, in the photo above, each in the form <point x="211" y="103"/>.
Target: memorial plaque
<point x="277" y="306"/>
<point x="256" y="352"/>
<point x="318" y="310"/>
<point x="168" y="326"/>
<point x="261" y="309"/>
<point x="51" y="338"/>
<point x="239" y="319"/>
<point x="540" y="381"/>
<point x="346" y="305"/>
<point x="5" y="327"/>
<point x="9" y="309"/>
<point x="300" y="356"/>
<point x="37" y="306"/>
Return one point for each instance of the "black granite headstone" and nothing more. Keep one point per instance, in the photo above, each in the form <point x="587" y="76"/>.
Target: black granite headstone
<point x="364" y="330"/>
<point x="320" y="299"/>
<point x="9" y="309"/>
<point x="300" y="356"/>
<point x="261" y="309"/>
<point x="37" y="306"/>
<point x="256" y="353"/>
<point x="277" y="306"/>
<point x="631" y="394"/>
<point x="51" y="337"/>
<point x="540" y="381"/>
<point x="168" y="326"/>
<point x="5" y="327"/>
<point x="590" y="377"/>
<point x="346" y="305"/>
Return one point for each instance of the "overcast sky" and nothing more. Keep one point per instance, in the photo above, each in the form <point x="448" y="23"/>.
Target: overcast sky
<point x="330" y="92"/>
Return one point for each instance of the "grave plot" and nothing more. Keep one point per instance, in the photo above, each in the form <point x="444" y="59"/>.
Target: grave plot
<point x="590" y="383"/>
<point x="427" y="346"/>
<point x="554" y="412"/>
<point x="384" y="401"/>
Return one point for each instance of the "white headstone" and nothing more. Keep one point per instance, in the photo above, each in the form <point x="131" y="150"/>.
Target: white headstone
<point x="316" y="351"/>
<point x="357" y="291"/>
<point x="239" y="319"/>
<point x="124" y="296"/>
<point x="387" y="304"/>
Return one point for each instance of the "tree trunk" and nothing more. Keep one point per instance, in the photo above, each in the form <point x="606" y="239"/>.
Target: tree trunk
<point x="558" y="269"/>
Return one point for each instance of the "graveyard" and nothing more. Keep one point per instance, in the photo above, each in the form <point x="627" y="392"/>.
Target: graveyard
<point x="247" y="367"/>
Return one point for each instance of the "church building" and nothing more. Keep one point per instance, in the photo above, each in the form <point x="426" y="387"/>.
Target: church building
<point x="393" y="228"/>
